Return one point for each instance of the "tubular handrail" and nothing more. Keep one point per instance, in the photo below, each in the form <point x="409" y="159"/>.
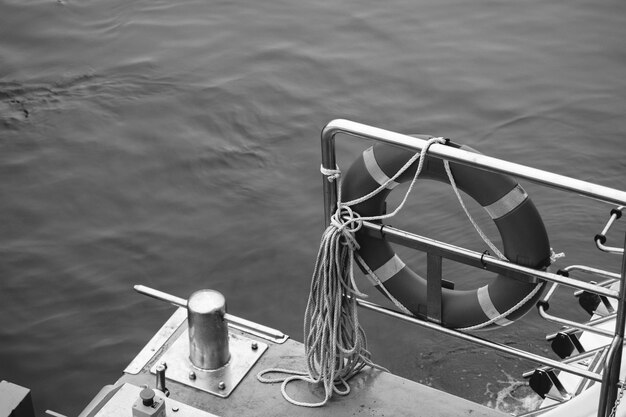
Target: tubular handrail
<point x="437" y="250"/>
<point x="600" y="238"/>
<point x="598" y="192"/>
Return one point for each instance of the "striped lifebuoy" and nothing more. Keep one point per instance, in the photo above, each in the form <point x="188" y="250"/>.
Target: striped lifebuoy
<point x="523" y="233"/>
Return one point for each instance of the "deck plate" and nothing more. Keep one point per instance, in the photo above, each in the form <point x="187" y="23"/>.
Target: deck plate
<point x="242" y="358"/>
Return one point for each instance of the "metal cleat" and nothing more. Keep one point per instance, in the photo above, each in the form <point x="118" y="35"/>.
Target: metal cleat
<point x="595" y="304"/>
<point x="547" y="385"/>
<point x="565" y="343"/>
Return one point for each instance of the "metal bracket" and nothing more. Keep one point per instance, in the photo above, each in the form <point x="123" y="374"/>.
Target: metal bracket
<point x="595" y="304"/>
<point x="565" y="343"/>
<point x="244" y="353"/>
<point x="546" y="383"/>
<point x="433" y="289"/>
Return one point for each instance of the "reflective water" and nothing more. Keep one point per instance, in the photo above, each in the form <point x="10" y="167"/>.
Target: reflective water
<point x="176" y="145"/>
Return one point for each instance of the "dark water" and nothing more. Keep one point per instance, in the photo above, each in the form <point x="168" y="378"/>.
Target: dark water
<point x="176" y="145"/>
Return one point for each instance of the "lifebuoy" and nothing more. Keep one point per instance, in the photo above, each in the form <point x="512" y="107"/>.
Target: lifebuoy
<point x="523" y="233"/>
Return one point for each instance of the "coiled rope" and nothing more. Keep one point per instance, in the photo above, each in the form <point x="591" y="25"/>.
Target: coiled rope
<point x="334" y="342"/>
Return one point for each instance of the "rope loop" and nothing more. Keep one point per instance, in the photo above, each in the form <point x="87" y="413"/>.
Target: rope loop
<point x="331" y="174"/>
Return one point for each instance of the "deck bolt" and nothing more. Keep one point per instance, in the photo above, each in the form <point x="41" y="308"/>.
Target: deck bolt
<point x="192" y="375"/>
<point x="255" y="345"/>
<point x="221" y="385"/>
<point x="175" y="408"/>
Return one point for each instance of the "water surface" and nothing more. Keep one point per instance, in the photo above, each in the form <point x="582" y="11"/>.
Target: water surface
<point x="176" y="145"/>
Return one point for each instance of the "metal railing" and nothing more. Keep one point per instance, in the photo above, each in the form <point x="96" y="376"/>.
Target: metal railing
<point x="608" y="374"/>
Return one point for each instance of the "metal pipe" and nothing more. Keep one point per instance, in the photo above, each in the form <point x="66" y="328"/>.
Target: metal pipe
<point x="571" y="359"/>
<point x="329" y="161"/>
<point x="587" y="189"/>
<point x="548" y="295"/>
<point x="594" y="271"/>
<point x="488" y="343"/>
<point x="160" y="295"/>
<point x="594" y="322"/>
<point x="242" y="324"/>
<point x="596" y="365"/>
<point x="475" y="259"/>
<point x="608" y="391"/>
<point x="601" y="238"/>
<point x="570" y="323"/>
<point x="580" y="326"/>
<point x="609" y="249"/>
<point x="257" y="329"/>
<point x="610" y="222"/>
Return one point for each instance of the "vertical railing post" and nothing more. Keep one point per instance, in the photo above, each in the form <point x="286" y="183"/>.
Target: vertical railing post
<point x="608" y="392"/>
<point x="433" y="287"/>
<point x="329" y="161"/>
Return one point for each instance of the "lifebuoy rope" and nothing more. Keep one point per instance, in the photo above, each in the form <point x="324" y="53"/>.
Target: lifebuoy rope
<point x="489" y="243"/>
<point x="494" y="248"/>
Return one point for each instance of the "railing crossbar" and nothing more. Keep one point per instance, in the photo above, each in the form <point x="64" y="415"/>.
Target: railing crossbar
<point x="480" y="341"/>
<point x="477" y="259"/>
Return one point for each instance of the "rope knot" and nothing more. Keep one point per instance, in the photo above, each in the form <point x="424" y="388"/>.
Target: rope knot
<point x="347" y="222"/>
<point x="554" y="256"/>
<point x="331" y="174"/>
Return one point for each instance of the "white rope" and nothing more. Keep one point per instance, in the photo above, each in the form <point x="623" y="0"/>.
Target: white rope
<point x="555" y="256"/>
<point x="334" y="342"/>
<point x="484" y="237"/>
<point x="372" y="274"/>
<point x="422" y="157"/>
<point x="516" y="307"/>
<point x="331" y="174"/>
<point x="499" y="254"/>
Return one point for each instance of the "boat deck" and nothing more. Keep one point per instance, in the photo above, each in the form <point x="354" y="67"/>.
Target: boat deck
<point x="373" y="392"/>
